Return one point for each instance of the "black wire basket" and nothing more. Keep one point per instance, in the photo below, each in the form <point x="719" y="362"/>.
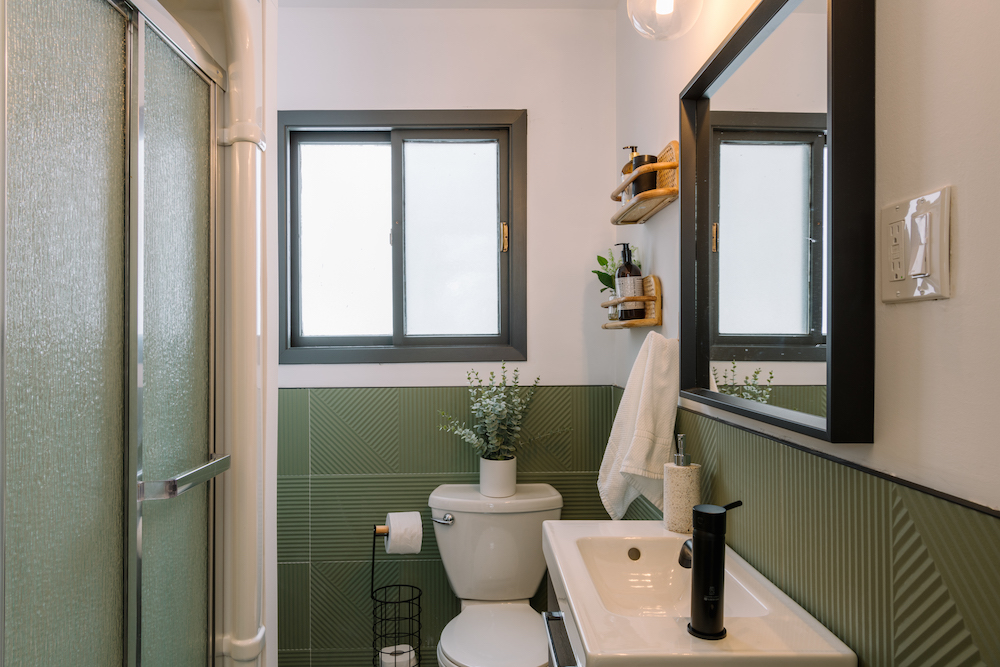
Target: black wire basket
<point x="395" y="623"/>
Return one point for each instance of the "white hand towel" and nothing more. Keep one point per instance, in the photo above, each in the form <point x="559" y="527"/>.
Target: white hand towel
<point x="643" y="431"/>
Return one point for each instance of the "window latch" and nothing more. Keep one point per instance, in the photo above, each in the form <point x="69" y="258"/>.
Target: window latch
<point x="504" y="233"/>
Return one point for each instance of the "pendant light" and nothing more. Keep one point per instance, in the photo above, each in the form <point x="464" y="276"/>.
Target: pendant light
<point x="663" y="19"/>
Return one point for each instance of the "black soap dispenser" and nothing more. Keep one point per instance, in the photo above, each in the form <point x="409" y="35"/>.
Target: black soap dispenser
<point x="708" y="571"/>
<point x="628" y="282"/>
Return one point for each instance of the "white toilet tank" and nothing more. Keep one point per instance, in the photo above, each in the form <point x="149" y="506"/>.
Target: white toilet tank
<point x="493" y="548"/>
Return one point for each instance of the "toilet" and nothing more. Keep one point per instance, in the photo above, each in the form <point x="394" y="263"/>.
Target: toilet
<point x="492" y="553"/>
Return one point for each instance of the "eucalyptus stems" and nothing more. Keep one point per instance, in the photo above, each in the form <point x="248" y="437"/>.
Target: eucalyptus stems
<point x="499" y="409"/>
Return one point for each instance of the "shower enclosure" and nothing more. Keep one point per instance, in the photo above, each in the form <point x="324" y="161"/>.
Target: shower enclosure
<point x="111" y="347"/>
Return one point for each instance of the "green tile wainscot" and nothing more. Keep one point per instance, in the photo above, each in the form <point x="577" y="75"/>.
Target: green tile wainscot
<point x="894" y="572"/>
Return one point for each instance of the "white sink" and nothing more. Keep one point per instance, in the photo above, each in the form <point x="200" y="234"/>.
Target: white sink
<point x="632" y="609"/>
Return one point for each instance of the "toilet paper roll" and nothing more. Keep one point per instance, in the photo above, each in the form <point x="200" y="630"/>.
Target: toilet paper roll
<point x="406" y="532"/>
<point x="681" y="492"/>
<point x="401" y="655"/>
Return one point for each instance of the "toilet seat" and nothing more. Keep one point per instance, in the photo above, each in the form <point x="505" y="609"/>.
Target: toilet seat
<point x="495" y="635"/>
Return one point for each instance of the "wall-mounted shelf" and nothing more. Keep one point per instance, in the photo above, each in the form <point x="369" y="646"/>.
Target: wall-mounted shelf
<point x="653" y="301"/>
<point x="644" y="205"/>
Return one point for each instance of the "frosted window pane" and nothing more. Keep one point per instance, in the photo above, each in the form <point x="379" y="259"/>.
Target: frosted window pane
<point x="175" y="395"/>
<point x="764" y="197"/>
<point x="345" y="218"/>
<point x="450" y="195"/>
<point x="63" y="365"/>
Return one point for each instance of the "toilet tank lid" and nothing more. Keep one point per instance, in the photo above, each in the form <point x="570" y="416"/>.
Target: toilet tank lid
<point x="466" y="498"/>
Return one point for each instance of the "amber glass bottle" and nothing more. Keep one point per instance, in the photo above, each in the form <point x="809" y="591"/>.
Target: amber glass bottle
<point x="628" y="282"/>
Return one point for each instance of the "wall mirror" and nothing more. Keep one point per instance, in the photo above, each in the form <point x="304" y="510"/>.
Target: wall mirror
<point x="778" y="227"/>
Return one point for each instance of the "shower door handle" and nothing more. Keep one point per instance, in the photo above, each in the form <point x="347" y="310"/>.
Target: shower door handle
<point x="175" y="486"/>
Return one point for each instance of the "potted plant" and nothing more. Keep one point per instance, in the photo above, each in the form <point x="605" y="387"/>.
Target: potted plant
<point x="499" y="409"/>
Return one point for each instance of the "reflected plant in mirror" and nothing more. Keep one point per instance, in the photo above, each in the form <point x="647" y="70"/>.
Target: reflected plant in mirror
<point x="750" y="389"/>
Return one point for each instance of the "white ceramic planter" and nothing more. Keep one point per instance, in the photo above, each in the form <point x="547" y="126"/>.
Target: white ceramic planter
<point x="497" y="479"/>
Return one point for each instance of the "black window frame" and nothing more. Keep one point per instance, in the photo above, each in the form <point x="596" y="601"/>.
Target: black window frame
<point x="509" y="128"/>
<point x="770" y="127"/>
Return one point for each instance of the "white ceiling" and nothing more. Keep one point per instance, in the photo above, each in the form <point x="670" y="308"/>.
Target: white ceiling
<point x="454" y="4"/>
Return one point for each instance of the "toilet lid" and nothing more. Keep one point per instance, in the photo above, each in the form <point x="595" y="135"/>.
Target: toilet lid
<point x="496" y="635"/>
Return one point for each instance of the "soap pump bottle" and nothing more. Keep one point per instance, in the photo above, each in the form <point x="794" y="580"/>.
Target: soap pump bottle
<point x="627" y="171"/>
<point x="628" y="282"/>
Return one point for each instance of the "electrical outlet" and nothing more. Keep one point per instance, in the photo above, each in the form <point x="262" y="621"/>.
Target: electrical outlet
<point x="895" y="248"/>
<point x="915" y="248"/>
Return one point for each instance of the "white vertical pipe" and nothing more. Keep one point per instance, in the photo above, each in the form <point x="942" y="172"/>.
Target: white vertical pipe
<point x="244" y="634"/>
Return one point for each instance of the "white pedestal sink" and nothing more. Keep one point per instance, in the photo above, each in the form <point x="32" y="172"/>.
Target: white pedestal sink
<point x="626" y="602"/>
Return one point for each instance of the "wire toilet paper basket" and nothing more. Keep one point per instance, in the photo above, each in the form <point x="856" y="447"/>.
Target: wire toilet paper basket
<point x="395" y="620"/>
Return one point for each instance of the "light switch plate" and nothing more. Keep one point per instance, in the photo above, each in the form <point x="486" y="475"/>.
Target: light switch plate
<point x="915" y="249"/>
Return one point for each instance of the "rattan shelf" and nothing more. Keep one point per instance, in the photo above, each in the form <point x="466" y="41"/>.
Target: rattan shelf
<point x="644" y="205"/>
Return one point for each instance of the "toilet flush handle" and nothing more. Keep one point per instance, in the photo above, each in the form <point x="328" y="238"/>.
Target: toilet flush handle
<point x="447" y="520"/>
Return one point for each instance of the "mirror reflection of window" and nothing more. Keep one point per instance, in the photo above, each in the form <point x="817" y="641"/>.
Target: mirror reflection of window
<point x="764" y="219"/>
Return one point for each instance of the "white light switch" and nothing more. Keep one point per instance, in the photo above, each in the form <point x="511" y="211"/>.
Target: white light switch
<point x="915" y="255"/>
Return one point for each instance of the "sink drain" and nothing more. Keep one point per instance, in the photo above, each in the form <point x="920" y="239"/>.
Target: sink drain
<point x="634" y="553"/>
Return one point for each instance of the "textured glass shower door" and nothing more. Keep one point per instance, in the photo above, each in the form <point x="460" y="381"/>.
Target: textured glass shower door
<point x="174" y="343"/>
<point x="108" y="343"/>
<point x="63" y="327"/>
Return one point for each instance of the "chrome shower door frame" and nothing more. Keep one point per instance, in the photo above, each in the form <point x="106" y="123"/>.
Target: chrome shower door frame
<point x="143" y="13"/>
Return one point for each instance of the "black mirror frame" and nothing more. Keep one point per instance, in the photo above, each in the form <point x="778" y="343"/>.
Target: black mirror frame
<point x="850" y="354"/>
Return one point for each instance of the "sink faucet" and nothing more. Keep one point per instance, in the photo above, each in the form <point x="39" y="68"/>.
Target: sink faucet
<point x="705" y="554"/>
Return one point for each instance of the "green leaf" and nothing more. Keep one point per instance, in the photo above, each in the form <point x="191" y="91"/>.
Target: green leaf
<point x="606" y="280"/>
<point x="602" y="261"/>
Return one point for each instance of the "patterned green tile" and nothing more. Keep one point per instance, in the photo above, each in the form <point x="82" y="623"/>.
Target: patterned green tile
<point x="355" y="657"/>
<point x="293" y="432"/>
<point x="702" y="443"/>
<point x="750" y="468"/>
<point x="363" y="658"/>
<point x="592" y="418"/>
<point x="344" y="509"/>
<point x="295" y="659"/>
<point x="550" y="413"/>
<point x="837" y="536"/>
<point x="810" y="399"/>
<point x="293" y="519"/>
<point x="354" y="431"/>
<point x="293" y="606"/>
<point x="643" y="510"/>
<point x="425" y="448"/>
<point x="438" y="602"/>
<point x="578" y="489"/>
<point x="928" y="627"/>
<point x="964" y="545"/>
<point x="341" y="614"/>
<point x="616" y="399"/>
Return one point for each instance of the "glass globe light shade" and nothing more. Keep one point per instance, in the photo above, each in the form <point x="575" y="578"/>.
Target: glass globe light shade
<point x="663" y="19"/>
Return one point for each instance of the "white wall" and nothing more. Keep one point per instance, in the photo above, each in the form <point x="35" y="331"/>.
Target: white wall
<point x="786" y="73"/>
<point x="557" y="64"/>
<point x="650" y="76"/>
<point x="938" y="91"/>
